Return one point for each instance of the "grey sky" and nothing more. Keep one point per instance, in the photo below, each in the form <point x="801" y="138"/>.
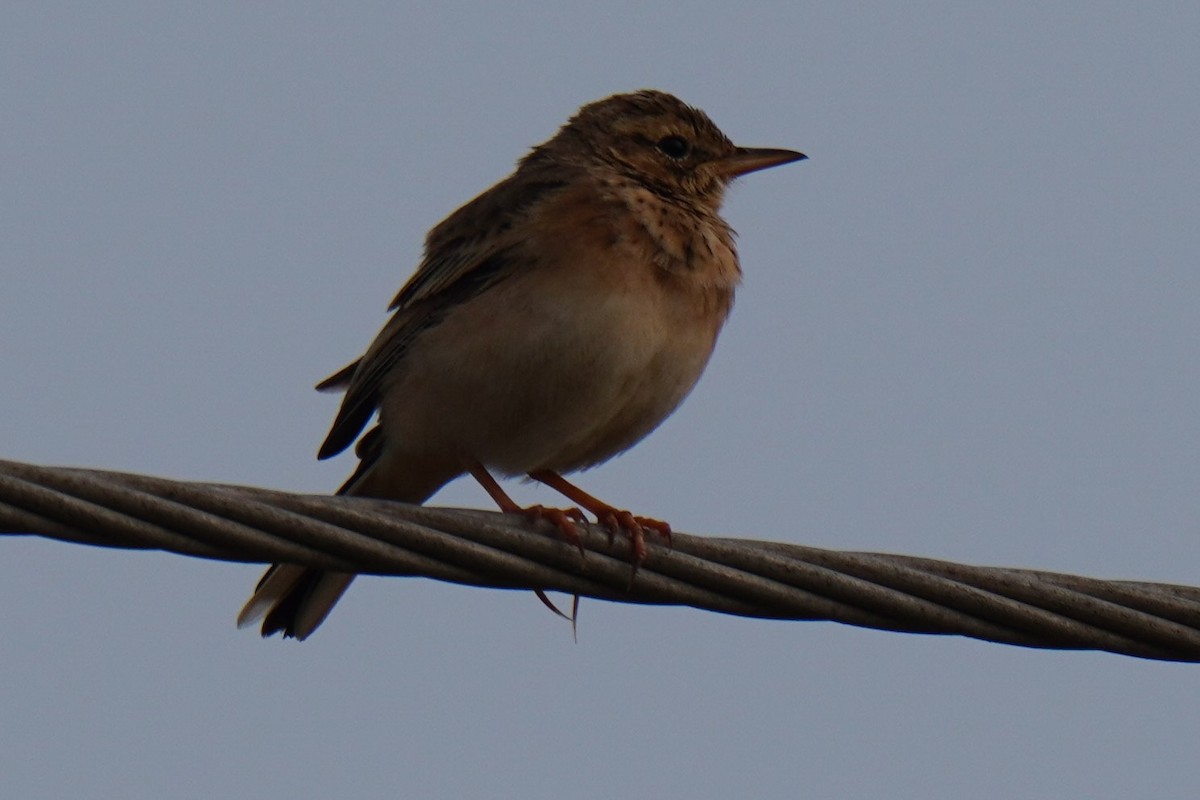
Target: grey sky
<point x="968" y="330"/>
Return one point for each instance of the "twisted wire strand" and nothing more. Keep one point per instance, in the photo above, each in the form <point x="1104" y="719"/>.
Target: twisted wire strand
<point x="478" y="548"/>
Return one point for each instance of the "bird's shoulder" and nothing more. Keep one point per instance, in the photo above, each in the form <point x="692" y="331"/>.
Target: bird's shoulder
<point x="486" y="228"/>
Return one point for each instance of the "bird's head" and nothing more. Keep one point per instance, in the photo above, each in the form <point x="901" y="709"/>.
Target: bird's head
<point x="659" y="141"/>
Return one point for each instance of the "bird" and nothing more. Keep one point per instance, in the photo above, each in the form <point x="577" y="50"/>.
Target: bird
<point x="553" y="322"/>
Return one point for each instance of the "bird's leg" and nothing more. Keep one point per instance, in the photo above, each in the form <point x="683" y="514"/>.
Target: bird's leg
<point x="563" y="518"/>
<point x="609" y="516"/>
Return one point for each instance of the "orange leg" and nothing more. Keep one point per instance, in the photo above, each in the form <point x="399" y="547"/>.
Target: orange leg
<point x="609" y="516"/>
<point x="563" y="519"/>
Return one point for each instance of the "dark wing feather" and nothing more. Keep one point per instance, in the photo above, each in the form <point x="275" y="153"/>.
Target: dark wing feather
<point x="340" y="380"/>
<point x="366" y="383"/>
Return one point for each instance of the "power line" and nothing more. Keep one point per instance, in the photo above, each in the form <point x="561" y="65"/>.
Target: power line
<point x="732" y="576"/>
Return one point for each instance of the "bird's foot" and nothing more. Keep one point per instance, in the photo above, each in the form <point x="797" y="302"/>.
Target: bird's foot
<point x="634" y="527"/>
<point x="562" y="518"/>
<point x="613" y="518"/>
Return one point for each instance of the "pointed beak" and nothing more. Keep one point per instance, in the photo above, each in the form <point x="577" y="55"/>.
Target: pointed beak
<point x="752" y="159"/>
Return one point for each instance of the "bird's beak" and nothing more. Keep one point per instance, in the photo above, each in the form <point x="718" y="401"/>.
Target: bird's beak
<point x="752" y="159"/>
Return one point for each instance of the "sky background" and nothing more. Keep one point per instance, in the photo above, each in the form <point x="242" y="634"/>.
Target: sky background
<point x="968" y="330"/>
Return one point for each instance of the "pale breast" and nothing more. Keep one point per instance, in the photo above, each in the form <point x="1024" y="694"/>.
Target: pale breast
<point x="568" y="361"/>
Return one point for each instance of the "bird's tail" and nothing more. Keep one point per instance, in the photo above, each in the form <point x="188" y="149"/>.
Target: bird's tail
<point x="294" y="600"/>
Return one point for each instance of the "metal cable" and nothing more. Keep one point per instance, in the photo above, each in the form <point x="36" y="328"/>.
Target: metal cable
<point x="732" y="576"/>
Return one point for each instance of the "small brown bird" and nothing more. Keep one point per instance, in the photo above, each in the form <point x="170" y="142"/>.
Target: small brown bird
<point x="555" y="320"/>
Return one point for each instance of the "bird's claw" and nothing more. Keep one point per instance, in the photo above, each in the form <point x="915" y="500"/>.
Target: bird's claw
<point x="634" y="527"/>
<point x="564" y="519"/>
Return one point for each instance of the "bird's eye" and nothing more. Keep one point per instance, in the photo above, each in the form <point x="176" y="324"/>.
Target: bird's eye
<point x="674" y="146"/>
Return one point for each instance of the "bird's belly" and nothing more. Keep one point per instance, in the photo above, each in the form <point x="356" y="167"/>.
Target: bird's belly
<point x="581" y="373"/>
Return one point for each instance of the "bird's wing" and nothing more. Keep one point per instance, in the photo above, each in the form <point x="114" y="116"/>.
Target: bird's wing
<point x="474" y="248"/>
<point x="470" y="236"/>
